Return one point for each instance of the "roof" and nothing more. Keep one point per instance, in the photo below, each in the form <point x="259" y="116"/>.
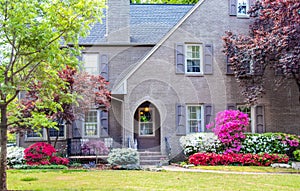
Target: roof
<point x="148" y="23"/>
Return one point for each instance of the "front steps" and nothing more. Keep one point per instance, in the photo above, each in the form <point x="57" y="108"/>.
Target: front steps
<point x="149" y="158"/>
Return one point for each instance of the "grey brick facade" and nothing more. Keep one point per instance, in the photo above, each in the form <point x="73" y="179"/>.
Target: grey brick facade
<point x="145" y="71"/>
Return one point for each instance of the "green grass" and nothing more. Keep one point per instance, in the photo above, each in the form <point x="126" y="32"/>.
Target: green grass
<point x="146" y="180"/>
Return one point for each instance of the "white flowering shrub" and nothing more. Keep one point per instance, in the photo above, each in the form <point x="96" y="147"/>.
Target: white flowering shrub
<point x="201" y="142"/>
<point x="123" y="157"/>
<point x="15" y="156"/>
<point x="269" y="143"/>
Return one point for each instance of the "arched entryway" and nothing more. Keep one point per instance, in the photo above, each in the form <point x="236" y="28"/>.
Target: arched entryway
<point x="147" y="127"/>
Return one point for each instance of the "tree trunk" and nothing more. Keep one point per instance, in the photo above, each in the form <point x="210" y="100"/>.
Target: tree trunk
<point x="3" y="143"/>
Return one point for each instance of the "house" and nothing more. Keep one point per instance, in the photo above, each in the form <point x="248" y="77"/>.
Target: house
<point x="169" y="77"/>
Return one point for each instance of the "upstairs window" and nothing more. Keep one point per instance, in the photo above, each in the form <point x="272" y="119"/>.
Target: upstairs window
<point x="90" y="63"/>
<point x="193" y="59"/>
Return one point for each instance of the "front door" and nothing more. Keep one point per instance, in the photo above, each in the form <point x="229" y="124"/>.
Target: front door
<point x="147" y="127"/>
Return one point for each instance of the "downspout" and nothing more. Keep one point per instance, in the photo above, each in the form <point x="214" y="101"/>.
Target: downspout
<point x="123" y="117"/>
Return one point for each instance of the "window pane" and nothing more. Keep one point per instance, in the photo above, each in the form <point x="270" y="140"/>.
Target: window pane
<point x="90" y="129"/>
<point x="61" y="132"/>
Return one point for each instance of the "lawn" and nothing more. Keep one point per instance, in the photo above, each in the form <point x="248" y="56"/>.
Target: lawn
<point x="146" y="180"/>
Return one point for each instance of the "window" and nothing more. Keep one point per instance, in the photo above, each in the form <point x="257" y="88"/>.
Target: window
<point x="239" y="8"/>
<point x="91" y="62"/>
<point x="146" y="121"/>
<point x="91" y="124"/>
<point x="242" y="8"/>
<point x="247" y="110"/>
<point x="195" y="122"/>
<point x="193" y="59"/>
<point x="60" y="132"/>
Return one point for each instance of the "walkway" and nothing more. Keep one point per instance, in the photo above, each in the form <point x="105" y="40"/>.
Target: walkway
<point x="180" y="169"/>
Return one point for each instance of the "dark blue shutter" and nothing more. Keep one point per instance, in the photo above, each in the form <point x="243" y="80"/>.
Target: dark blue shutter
<point x="104" y="66"/>
<point x="103" y="123"/>
<point x="259" y="119"/>
<point x="77" y="128"/>
<point x="180" y="119"/>
<point x="232" y="7"/>
<point x="208" y="59"/>
<point x="180" y="58"/>
<point x="231" y="106"/>
<point x="208" y="114"/>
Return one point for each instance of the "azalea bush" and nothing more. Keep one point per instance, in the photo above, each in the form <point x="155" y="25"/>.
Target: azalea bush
<point x="15" y="156"/>
<point x="270" y="143"/>
<point x="237" y="159"/>
<point x="43" y="154"/>
<point x="201" y="142"/>
<point x="229" y="127"/>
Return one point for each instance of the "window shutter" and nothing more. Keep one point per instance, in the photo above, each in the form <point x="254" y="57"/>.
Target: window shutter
<point x="208" y="113"/>
<point x="180" y="119"/>
<point x="259" y="119"/>
<point x="104" y="66"/>
<point x="80" y="60"/>
<point x="232" y="7"/>
<point x="231" y="106"/>
<point x="228" y="66"/>
<point x="77" y="128"/>
<point x="103" y="123"/>
<point x="180" y="58"/>
<point x="208" y="59"/>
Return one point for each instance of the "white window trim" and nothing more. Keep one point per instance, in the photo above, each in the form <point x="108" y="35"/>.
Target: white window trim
<point x="247" y="9"/>
<point x="201" y="59"/>
<point x="153" y="123"/>
<point x="202" y="118"/>
<point x="98" y="126"/>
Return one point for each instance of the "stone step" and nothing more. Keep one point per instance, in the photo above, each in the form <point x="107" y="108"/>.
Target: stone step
<point x="151" y="158"/>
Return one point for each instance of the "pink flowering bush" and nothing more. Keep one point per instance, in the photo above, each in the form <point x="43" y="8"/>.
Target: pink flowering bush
<point x="213" y="159"/>
<point x="43" y="154"/>
<point x="229" y="127"/>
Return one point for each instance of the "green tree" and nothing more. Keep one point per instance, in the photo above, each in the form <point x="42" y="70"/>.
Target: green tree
<point x="35" y="43"/>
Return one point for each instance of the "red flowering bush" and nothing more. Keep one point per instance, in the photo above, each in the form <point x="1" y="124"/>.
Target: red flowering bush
<point x="213" y="159"/>
<point x="229" y="127"/>
<point x="43" y="154"/>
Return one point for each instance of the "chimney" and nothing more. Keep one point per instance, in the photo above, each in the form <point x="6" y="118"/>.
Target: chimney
<point x="118" y="21"/>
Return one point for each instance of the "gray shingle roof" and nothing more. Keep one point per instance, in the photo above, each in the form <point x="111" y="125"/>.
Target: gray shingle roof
<point x="148" y="23"/>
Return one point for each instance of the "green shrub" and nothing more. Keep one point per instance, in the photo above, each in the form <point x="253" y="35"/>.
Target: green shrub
<point x="201" y="142"/>
<point x="39" y="166"/>
<point x="123" y="157"/>
<point x="296" y="154"/>
<point x="27" y="179"/>
<point x="15" y="155"/>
